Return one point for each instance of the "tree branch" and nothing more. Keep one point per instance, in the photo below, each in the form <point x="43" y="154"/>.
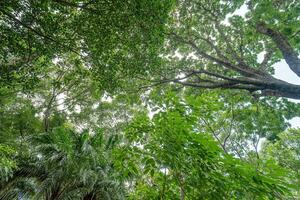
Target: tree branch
<point x="228" y="44"/>
<point x="289" y="54"/>
<point x="231" y="126"/>
<point x="267" y="57"/>
<point x="243" y="71"/>
<point x="39" y="33"/>
<point x="214" y="47"/>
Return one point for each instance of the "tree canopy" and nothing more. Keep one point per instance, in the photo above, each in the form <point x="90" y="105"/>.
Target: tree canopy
<point x="148" y="99"/>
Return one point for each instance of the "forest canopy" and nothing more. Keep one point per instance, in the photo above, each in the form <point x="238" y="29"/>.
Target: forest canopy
<point x="148" y="99"/>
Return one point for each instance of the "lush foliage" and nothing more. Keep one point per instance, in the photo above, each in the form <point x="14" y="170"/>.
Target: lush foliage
<point x="148" y="99"/>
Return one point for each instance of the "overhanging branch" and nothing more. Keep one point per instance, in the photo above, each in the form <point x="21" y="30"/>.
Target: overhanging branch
<point x="289" y="54"/>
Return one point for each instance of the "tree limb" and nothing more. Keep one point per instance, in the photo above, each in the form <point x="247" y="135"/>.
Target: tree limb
<point x="289" y="54"/>
<point x="242" y="70"/>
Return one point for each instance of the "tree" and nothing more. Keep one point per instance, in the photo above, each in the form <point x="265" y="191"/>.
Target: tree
<point x="180" y="160"/>
<point x="219" y="49"/>
<point x="66" y="165"/>
<point x="285" y="152"/>
<point x="7" y="163"/>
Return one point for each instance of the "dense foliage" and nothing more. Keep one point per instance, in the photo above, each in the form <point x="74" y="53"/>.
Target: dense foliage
<point x="148" y="99"/>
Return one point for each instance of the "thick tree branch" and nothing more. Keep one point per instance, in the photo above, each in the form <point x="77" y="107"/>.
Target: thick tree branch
<point x="250" y="79"/>
<point x="289" y="54"/>
<point x="221" y="84"/>
<point x="267" y="85"/>
<point x="238" y="80"/>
